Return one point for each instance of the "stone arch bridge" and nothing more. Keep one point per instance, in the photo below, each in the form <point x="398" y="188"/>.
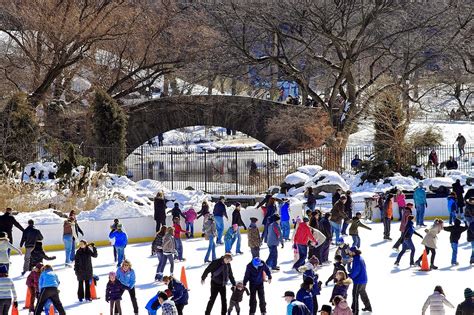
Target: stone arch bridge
<point x="245" y="114"/>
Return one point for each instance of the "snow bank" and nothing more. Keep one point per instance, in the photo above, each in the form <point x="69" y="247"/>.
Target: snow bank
<point x="310" y="170"/>
<point x="114" y="208"/>
<point x="296" y="178"/>
<point x="402" y="182"/>
<point x="462" y="176"/>
<point x="438" y="182"/>
<point x="46" y="216"/>
<point x="325" y="178"/>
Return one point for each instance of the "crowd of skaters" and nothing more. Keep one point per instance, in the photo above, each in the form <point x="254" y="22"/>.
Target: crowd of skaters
<point x="310" y="241"/>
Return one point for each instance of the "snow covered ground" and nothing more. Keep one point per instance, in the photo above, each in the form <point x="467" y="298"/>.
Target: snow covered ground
<point x="392" y="291"/>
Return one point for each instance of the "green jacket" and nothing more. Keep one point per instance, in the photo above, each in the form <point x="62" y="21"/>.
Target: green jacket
<point x="355" y="225"/>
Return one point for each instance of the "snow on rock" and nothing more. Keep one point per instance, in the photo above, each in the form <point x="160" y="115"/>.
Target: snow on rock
<point x="401" y="182"/>
<point x="437" y="182"/>
<point x="46" y="216"/>
<point x="151" y="185"/>
<point x="327" y="181"/>
<point x="46" y="167"/>
<point x="115" y="208"/>
<point x="310" y="170"/>
<point x="296" y="178"/>
<point x="462" y="176"/>
<point x="293" y="191"/>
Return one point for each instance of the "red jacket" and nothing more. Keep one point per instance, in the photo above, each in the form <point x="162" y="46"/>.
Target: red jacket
<point x="178" y="230"/>
<point x="32" y="280"/>
<point x="303" y="234"/>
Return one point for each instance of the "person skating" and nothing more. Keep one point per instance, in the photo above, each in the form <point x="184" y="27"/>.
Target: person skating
<point x="178" y="230"/>
<point x="176" y="212"/>
<point x="113" y="294"/>
<point x="452" y="207"/>
<point x="337" y="216"/>
<point x="295" y="307"/>
<point x="204" y="210"/>
<point x="83" y="269"/>
<point x="237" y="219"/>
<point x="7" y="221"/>
<point x="400" y="199"/>
<point x="301" y="237"/>
<point x="455" y="234"/>
<point x="274" y="239"/>
<point x="168" y="307"/>
<point x="470" y="238"/>
<point x="237" y="297"/>
<point x="210" y="233"/>
<point x="338" y="266"/>
<point x="30" y="235"/>
<point x="430" y="240"/>
<point x="254" y="240"/>
<point x="305" y="294"/>
<point x="458" y="189"/>
<point x="359" y="278"/>
<point x="341" y="286"/>
<point x="340" y="306"/>
<point x="254" y="274"/>
<point x="467" y="306"/>
<point x="191" y="216"/>
<point x="348" y="209"/>
<point x="159" y="215"/>
<point x="179" y="292"/>
<point x="38" y="254"/>
<point x="436" y="302"/>
<point x="407" y="211"/>
<point x="408" y="242"/>
<point x="169" y="250"/>
<point x="271" y="210"/>
<point x="157" y="249"/>
<point x="387" y="216"/>
<point x="309" y="271"/>
<point x="344" y="251"/>
<point x="7" y="292"/>
<point x="32" y="285"/>
<point x="113" y="227"/>
<point x="119" y="240"/>
<point x="5" y="247"/>
<point x="221" y="272"/>
<point x="219" y="212"/>
<point x="126" y="276"/>
<point x="230" y="237"/>
<point x="322" y="252"/>
<point x="353" y="229"/>
<point x="336" y="196"/>
<point x="76" y="230"/>
<point x="419" y="198"/>
<point x="310" y="198"/>
<point x="285" y="219"/>
<point x="48" y="285"/>
<point x="461" y="140"/>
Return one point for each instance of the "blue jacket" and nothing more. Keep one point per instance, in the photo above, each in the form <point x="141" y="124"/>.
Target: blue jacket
<point x="274" y="236"/>
<point x="180" y="293"/>
<point x="255" y="275"/>
<point x="149" y="308"/>
<point x="48" y="279"/>
<point x="452" y="204"/>
<point x="121" y="238"/>
<point x="359" y="271"/>
<point x="297" y="308"/>
<point x="419" y="196"/>
<point x="220" y="210"/>
<point x="305" y="297"/>
<point x="313" y="275"/>
<point x="410" y="230"/>
<point x="285" y="211"/>
<point x="271" y="210"/>
<point x="126" y="278"/>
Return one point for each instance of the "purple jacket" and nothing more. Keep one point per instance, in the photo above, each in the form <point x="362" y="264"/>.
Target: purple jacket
<point x="113" y="291"/>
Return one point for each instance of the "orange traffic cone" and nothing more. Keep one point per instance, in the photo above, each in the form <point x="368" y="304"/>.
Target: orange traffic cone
<point x="28" y="298"/>
<point x="14" y="310"/>
<point x="424" y="262"/>
<point x="51" y="310"/>
<point x="93" y="290"/>
<point x="183" y="279"/>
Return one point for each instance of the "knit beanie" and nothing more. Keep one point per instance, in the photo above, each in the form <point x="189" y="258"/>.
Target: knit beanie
<point x="468" y="293"/>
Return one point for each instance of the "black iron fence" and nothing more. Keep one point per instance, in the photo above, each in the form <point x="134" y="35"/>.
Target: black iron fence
<point x="252" y="172"/>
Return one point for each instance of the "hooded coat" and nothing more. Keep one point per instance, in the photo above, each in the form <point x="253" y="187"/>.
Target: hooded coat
<point x="436" y="302"/>
<point x="5" y="245"/>
<point x="431" y="238"/>
<point x="38" y="254"/>
<point x="83" y="263"/>
<point x="342" y="309"/>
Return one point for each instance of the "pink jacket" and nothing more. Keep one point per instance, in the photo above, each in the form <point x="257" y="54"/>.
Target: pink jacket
<point x="401" y="200"/>
<point x="342" y="309"/>
<point x="190" y="215"/>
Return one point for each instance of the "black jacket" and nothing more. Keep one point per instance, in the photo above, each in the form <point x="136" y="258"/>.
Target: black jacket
<point x="160" y="209"/>
<point x="348" y="206"/>
<point x="204" y="210"/>
<point x="176" y="213"/>
<point x="335" y="197"/>
<point x="237" y="219"/>
<point x="220" y="272"/>
<point x="38" y="254"/>
<point x="7" y="221"/>
<point x="459" y="190"/>
<point x="452" y="165"/>
<point x="466" y="307"/>
<point x="325" y="228"/>
<point x="237" y="295"/>
<point x="83" y="263"/>
<point x="456" y="230"/>
<point x="30" y="236"/>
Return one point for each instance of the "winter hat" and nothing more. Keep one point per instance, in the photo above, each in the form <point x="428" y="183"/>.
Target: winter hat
<point x="468" y="293"/>
<point x="354" y="249"/>
<point x="119" y="226"/>
<point x="235" y="226"/>
<point x="253" y="219"/>
<point x="314" y="260"/>
<point x="326" y="308"/>
<point x="289" y="294"/>
<point x="305" y="219"/>
<point x="237" y="204"/>
<point x="3" y="269"/>
<point x="420" y="184"/>
<point x="308" y="280"/>
<point x="257" y="262"/>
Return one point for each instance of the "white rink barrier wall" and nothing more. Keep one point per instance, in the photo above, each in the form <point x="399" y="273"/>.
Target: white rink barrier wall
<point x="143" y="229"/>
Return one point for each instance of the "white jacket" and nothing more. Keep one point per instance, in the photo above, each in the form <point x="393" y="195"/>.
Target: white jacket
<point x="436" y="302"/>
<point x="4" y="246"/>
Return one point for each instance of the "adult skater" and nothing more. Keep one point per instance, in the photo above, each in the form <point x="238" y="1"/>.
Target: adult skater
<point x="219" y="212"/>
<point x="455" y="234"/>
<point x="83" y="269"/>
<point x="407" y="211"/>
<point x="254" y="240"/>
<point x="5" y="247"/>
<point x="210" y="233"/>
<point x="48" y="286"/>
<point x="179" y="291"/>
<point x="7" y="221"/>
<point x="322" y="252"/>
<point x="419" y="197"/>
<point x="7" y="292"/>
<point x="310" y="199"/>
<point x="430" y="240"/>
<point x="71" y="232"/>
<point x="157" y="248"/>
<point x="461" y="140"/>
<point x="348" y="209"/>
<point x="126" y="276"/>
<point x="459" y="191"/>
<point x="29" y="238"/>
<point x="407" y="235"/>
<point x="337" y="216"/>
<point x="436" y="302"/>
<point x="301" y="238"/>
<point x="254" y="274"/>
<point x="160" y="210"/>
<point x="275" y="238"/>
<point x="271" y="210"/>
<point x="237" y="219"/>
<point x="387" y="216"/>
<point x="359" y="278"/>
<point x="221" y="272"/>
<point x="400" y="199"/>
<point x="467" y="306"/>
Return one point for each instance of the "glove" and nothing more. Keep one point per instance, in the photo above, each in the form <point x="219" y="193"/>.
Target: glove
<point x="282" y="245"/>
<point x="202" y="282"/>
<point x="15" y="304"/>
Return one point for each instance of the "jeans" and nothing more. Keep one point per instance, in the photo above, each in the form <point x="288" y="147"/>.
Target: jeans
<point x="179" y="248"/>
<point x="386" y="227"/>
<point x="285" y="229"/>
<point x="254" y="290"/>
<point x="272" y="259"/>
<point x="190" y="228"/>
<point x="26" y="264"/>
<point x="302" y="251"/>
<point x="344" y="228"/>
<point x="73" y="251"/>
<point x="170" y="259"/>
<point x="239" y="240"/>
<point x="398" y="242"/>
<point x="5" y="306"/>
<point x="228" y="244"/>
<point x="407" y="244"/>
<point x="356" y="240"/>
<point x="452" y="217"/>
<point x="215" y="290"/>
<point x="359" y="290"/>
<point x="120" y="255"/>
<point x="67" y="239"/>
<point x="161" y="259"/>
<point x="337" y="230"/>
<point x="420" y="214"/>
<point x="220" y="228"/>
<point x="454" y="256"/>
<point x="211" y="249"/>
<point x="265" y="231"/>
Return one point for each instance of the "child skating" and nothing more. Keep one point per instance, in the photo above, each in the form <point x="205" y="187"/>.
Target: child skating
<point x="353" y="229"/>
<point x="113" y="294"/>
<point x="237" y="297"/>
